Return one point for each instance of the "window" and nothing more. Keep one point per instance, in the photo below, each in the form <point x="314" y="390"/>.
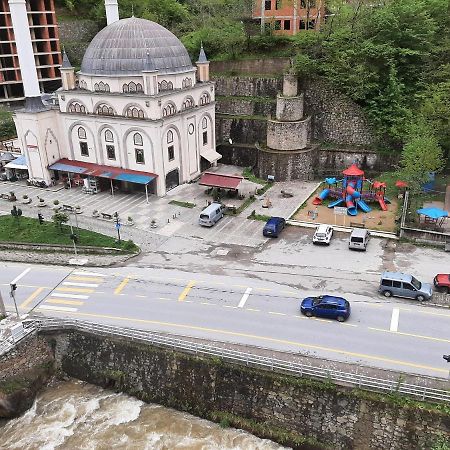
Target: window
<point x="135" y="112"/>
<point x="187" y="82"/>
<point x="303" y="3"/>
<point x="139" y="153"/>
<point x="287" y="25"/>
<point x="83" y="84"/>
<point x="171" y="152"/>
<point x="204" y="123"/>
<point x="111" y="152"/>
<point x="302" y="25"/>
<point x="169" y="110"/>
<point x="188" y="104"/>
<point x="109" y="137"/>
<point x="408" y="286"/>
<point x="81" y="133"/>
<point x="104" y="110"/>
<point x="277" y="25"/>
<point x="311" y="25"/>
<point x="268" y="5"/>
<point x="101" y="87"/>
<point x="396" y="284"/>
<point x="84" y="149"/>
<point x="76" y="107"/>
<point x="125" y="88"/>
<point x="278" y="4"/>
<point x="205" y="137"/>
<point x="169" y="137"/>
<point x="165" y="85"/>
<point x="386" y="283"/>
<point x="205" y="99"/>
<point x="137" y="139"/>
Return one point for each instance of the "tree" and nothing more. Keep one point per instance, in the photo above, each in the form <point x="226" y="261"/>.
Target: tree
<point x="59" y="219"/>
<point x="7" y="127"/>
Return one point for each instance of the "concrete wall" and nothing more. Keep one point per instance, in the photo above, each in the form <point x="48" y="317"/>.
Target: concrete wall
<point x="334" y="417"/>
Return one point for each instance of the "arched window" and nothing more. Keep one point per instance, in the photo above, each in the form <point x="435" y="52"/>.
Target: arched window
<point x="76" y="107"/>
<point x="137" y="139"/>
<point x="81" y="133"/>
<point x="96" y="87"/>
<point x="204" y="123"/>
<point x="205" y="99"/>
<point x="109" y="137"/>
<point x="169" y="136"/>
<point x="165" y="85"/>
<point x="169" y="110"/>
<point x="187" y="82"/>
<point x="205" y="130"/>
<point x="101" y="87"/>
<point x="188" y="103"/>
<point x="139" y="88"/>
<point x="132" y="86"/>
<point x="135" y="112"/>
<point x="169" y="85"/>
<point x="83" y="84"/>
<point x="105" y="110"/>
<point x="125" y="88"/>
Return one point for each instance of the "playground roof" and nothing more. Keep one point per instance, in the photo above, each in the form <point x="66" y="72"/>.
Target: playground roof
<point x="353" y="170"/>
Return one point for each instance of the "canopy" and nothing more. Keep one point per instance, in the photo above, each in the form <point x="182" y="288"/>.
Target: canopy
<point x="7" y="156"/>
<point x="353" y="171"/>
<point x="220" y="180"/>
<point x="433" y="212"/>
<point x="18" y="163"/>
<point x="97" y="170"/>
<point x="210" y="155"/>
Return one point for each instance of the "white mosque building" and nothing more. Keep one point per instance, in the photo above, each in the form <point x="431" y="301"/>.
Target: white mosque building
<point x="137" y="115"/>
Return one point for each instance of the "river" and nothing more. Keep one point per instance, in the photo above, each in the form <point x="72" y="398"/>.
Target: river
<point x="77" y="415"/>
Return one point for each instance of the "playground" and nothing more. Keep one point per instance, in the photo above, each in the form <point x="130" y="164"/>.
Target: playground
<point x="352" y="199"/>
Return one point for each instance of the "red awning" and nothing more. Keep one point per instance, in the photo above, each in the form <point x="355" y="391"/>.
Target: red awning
<point x="354" y="171"/>
<point x="220" y="180"/>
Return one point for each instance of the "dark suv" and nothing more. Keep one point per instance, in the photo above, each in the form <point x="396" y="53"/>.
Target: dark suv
<point x="273" y="226"/>
<point x="327" y="306"/>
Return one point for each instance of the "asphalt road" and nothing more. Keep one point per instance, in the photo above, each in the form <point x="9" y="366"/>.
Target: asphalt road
<point x="388" y="333"/>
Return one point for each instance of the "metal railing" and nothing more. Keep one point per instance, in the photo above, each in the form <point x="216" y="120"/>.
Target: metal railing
<point x="10" y="342"/>
<point x="248" y="359"/>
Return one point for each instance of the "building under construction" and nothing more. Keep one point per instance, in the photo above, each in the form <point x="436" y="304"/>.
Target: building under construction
<point x="47" y="54"/>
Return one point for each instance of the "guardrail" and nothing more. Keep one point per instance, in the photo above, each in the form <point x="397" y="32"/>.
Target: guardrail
<point x="247" y="359"/>
<point x="11" y="341"/>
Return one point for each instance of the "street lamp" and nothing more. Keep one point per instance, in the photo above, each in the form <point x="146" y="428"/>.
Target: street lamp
<point x="447" y="358"/>
<point x="12" y="293"/>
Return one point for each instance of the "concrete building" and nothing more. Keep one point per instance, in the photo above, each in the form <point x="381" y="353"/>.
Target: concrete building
<point x="45" y="43"/>
<point x="289" y="16"/>
<point x="138" y="113"/>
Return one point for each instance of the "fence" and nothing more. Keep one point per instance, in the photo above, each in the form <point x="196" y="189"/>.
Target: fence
<point x="247" y="359"/>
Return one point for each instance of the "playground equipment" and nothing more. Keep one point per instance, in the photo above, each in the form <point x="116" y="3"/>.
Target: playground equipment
<point x="350" y="190"/>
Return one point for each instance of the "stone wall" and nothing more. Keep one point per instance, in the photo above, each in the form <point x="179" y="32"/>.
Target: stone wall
<point x="240" y="106"/>
<point x="328" y="415"/>
<point x="266" y="66"/>
<point x="240" y="129"/>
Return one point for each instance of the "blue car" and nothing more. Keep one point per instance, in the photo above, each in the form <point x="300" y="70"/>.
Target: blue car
<point x="327" y="306"/>
<point x="273" y="226"/>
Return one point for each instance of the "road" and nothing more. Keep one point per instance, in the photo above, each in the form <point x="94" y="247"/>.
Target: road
<point x="388" y="333"/>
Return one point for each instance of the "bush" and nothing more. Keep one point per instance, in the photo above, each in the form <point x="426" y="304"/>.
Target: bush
<point x="129" y="245"/>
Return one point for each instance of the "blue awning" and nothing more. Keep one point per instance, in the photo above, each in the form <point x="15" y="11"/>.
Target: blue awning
<point x="132" y="178"/>
<point x="67" y="168"/>
<point x="18" y="163"/>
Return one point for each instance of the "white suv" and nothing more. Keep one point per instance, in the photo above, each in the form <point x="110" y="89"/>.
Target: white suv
<point x="323" y="234"/>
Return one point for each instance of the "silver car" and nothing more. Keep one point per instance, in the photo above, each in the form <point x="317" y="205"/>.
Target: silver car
<point x="399" y="284"/>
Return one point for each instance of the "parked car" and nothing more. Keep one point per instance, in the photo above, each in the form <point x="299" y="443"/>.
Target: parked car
<point x="327" y="306"/>
<point x="211" y="214"/>
<point x="399" y="284"/>
<point x="274" y="226"/>
<point x="323" y="234"/>
<point x="442" y="282"/>
<point x="359" y="239"/>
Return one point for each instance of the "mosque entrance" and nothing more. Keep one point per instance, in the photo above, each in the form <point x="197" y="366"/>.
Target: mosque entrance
<point x="172" y="179"/>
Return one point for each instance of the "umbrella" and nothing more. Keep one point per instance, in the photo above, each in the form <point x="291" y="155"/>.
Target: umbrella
<point x="7" y="156"/>
<point x="433" y="212"/>
<point x="401" y="184"/>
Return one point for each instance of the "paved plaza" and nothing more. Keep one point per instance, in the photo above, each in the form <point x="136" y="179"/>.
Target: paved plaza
<point x="171" y="219"/>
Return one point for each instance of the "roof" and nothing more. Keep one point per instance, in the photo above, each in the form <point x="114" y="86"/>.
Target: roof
<point x="202" y="56"/>
<point x="220" y="180"/>
<point x="97" y="170"/>
<point x="396" y="276"/>
<point x="18" y="163"/>
<point x="65" y="61"/>
<point x="433" y="212"/>
<point x="354" y="171"/>
<point x="122" y="47"/>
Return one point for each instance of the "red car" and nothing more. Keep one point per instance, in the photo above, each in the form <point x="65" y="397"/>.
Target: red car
<point x="442" y="282"/>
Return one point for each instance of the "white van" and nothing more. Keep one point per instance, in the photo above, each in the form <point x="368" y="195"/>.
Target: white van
<point x="211" y="214"/>
<point x="359" y="239"/>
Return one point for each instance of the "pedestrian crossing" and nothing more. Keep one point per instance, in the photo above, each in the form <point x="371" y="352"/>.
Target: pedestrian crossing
<point x="73" y="292"/>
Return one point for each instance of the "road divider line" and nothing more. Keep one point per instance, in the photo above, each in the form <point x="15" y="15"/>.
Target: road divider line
<point x="20" y="276"/>
<point x="121" y="286"/>
<point x="277" y="313"/>
<point x="58" y="294"/>
<point x="74" y="289"/>
<point x="394" y="320"/>
<point x="252" y="309"/>
<point x="58" y="308"/>
<point x="264" y="339"/>
<point x="245" y="297"/>
<point x="87" y="285"/>
<point x="89" y="274"/>
<point x="398" y="333"/>
<point x="186" y="291"/>
<point x="64" y="302"/>
<point x="31" y="297"/>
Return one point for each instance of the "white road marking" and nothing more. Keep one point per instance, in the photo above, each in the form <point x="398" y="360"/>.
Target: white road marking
<point x="58" y="308"/>
<point x="70" y="283"/>
<point x="245" y="297"/>
<point x="394" y="319"/>
<point x="20" y="276"/>
<point x="90" y="274"/>
<point x="81" y="297"/>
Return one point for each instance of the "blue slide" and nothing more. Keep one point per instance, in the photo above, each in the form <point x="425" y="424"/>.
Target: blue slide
<point x="336" y="203"/>
<point x="363" y="206"/>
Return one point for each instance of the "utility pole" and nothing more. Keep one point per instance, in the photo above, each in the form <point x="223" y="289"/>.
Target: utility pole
<point x="12" y="293"/>
<point x="73" y="236"/>
<point x="118" y="224"/>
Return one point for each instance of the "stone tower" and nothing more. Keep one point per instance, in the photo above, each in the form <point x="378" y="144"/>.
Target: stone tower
<point x="288" y="154"/>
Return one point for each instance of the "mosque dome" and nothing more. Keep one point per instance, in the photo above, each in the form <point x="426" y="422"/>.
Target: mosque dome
<point x="129" y="46"/>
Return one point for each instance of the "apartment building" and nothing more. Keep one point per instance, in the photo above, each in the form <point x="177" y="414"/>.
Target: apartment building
<point x="289" y="16"/>
<point x="46" y="48"/>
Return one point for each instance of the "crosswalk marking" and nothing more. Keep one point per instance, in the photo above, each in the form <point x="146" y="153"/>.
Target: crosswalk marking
<point x="58" y="308"/>
<point x="89" y="274"/>
<point x="63" y="289"/>
<point x="90" y="278"/>
<point x="69" y="283"/>
<point x="81" y="297"/>
<point x="64" y="302"/>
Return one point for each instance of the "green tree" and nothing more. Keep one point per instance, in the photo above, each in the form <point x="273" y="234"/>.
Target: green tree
<point x="7" y="127"/>
<point x="59" y="219"/>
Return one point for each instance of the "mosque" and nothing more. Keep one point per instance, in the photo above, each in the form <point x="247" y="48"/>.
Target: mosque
<point x="137" y="116"/>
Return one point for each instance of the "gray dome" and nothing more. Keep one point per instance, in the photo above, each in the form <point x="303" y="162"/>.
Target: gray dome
<point x="122" y="47"/>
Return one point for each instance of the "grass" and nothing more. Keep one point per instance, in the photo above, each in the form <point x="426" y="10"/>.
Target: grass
<point x="28" y="230"/>
<point x="182" y="204"/>
<point x="261" y="217"/>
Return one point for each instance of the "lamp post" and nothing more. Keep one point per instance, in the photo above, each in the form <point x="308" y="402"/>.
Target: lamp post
<point x="447" y="358"/>
<point x="12" y="293"/>
<point x="73" y="236"/>
<point x="118" y="224"/>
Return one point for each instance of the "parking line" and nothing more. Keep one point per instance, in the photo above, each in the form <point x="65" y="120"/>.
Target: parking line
<point x="31" y="297"/>
<point x="394" y="319"/>
<point x="64" y="302"/>
<point x="119" y="288"/>
<point x="63" y="289"/>
<point x="186" y="290"/>
<point x="245" y="297"/>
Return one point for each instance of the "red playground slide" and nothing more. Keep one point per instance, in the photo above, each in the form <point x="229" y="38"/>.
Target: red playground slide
<point x="382" y="203"/>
